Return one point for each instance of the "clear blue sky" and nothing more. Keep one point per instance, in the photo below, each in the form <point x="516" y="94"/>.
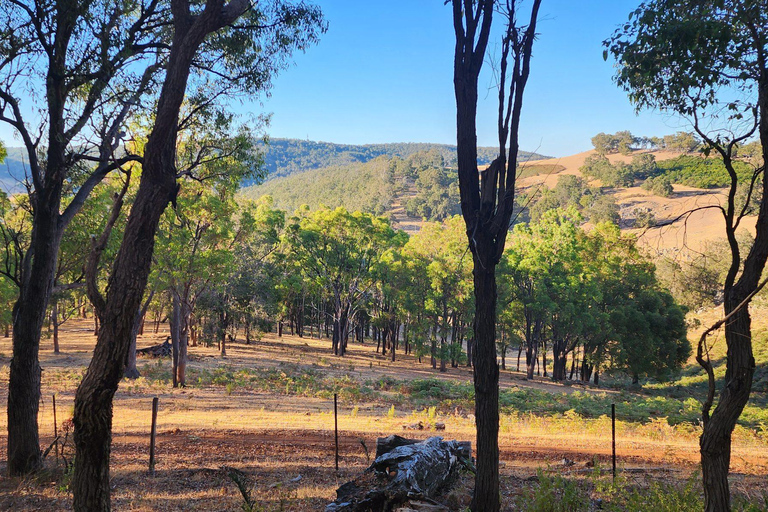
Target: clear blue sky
<point x="383" y="73"/>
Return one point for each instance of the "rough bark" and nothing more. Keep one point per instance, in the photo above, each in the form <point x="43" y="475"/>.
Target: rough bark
<point x="487" y="207"/>
<point x="24" y="454"/>
<point x="55" y="322"/>
<point x="127" y="283"/>
<point x="486" y="376"/>
<point x="715" y="441"/>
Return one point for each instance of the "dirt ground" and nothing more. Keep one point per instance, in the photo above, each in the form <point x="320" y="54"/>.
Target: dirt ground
<point x="284" y="444"/>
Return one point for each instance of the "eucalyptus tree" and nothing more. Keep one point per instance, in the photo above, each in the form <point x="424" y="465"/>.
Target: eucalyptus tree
<point x="94" y="63"/>
<point x="708" y="61"/>
<point x="194" y="242"/>
<point x="487" y="208"/>
<point x="339" y="251"/>
<point x="443" y="250"/>
<point x="546" y="275"/>
<point x="242" y="46"/>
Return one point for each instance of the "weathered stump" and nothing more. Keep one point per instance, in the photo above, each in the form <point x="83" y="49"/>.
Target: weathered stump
<point x="406" y="475"/>
<point x="160" y="350"/>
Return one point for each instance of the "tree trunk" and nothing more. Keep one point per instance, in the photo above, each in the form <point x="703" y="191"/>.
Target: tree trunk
<point x="125" y="289"/>
<point x="532" y="350"/>
<point x="486" y="375"/>
<point x="181" y="370"/>
<point x="559" y="360"/>
<point x="223" y="326"/>
<point x="55" y="322"/>
<point x="28" y="316"/>
<point x="175" y="335"/>
<point x="715" y="442"/>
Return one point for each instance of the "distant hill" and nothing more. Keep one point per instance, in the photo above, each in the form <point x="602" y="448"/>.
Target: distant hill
<point x="287" y="156"/>
<point x="13" y="170"/>
<point x="364" y="186"/>
<point x="409" y="189"/>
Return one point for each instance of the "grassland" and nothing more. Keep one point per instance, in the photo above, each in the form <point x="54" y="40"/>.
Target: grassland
<point x="266" y="410"/>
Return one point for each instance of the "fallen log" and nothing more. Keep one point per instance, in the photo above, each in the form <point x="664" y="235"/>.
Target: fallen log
<point x="407" y="474"/>
<point x="160" y="350"/>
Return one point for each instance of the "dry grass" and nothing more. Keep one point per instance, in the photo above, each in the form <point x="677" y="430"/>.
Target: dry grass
<point x="275" y="438"/>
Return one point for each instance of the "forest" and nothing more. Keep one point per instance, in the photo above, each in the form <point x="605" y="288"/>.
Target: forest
<point x="157" y="243"/>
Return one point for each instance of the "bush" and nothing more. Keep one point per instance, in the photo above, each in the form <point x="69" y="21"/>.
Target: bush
<point x="660" y="186"/>
<point x="644" y="218"/>
<point x="555" y="494"/>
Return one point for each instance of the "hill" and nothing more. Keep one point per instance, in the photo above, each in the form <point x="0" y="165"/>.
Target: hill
<point x="283" y="157"/>
<point x="423" y="185"/>
<point x="13" y="170"/>
<point x="674" y="231"/>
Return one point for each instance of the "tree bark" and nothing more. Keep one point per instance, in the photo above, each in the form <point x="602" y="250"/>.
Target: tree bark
<point x="486" y="376"/>
<point x="24" y="454"/>
<point x="175" y="326"/>
<point x="715" y="442"/>
<point x="55" y="322"/>
<point x="157" y="188"/>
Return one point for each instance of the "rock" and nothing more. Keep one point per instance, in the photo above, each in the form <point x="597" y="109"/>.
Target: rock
<point x="439" y="426"/>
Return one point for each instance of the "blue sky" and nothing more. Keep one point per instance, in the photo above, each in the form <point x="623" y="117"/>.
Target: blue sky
<point x="383" y="73"/>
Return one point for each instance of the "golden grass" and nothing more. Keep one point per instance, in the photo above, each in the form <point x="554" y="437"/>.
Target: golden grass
<point x="274" y="438"/>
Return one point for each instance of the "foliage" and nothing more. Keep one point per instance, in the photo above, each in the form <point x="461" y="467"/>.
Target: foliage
<point x="555" y="494"/>
<point x="364" y="187"/>
<point x="593" y="290"/>
<point x="659" y="185"/>
<point x="611" y="175"/>
<point x="695" y="171"/>
<point x="621" y="142"/>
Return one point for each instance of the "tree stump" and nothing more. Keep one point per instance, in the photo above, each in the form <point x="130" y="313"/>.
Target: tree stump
<point x="160" y="350"/>
<point x="406" y="475"/>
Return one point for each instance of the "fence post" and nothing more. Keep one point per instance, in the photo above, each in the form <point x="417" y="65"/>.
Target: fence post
<point x="152" y="434"/>
<point x="55" y="430"/>
<point x="336" y="427"/>
<point x="613" y="438"/>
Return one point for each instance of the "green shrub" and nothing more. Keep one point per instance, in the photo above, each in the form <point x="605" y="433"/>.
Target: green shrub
<point x="555" y="494"/>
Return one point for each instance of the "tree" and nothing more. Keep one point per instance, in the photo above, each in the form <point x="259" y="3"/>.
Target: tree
<point x="244" y="57"/>
<point x="487" y="207"/>
<point x="339" y="251"/>
<point x="687" y="57"/>
<point x="441" y="249"/>
<point x="620" y="142"/>
<point x="94" y="62"/>
<point x="686" y="142"/>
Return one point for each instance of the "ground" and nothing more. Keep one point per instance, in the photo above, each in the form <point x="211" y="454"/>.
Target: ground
<point x="266" y="410"/>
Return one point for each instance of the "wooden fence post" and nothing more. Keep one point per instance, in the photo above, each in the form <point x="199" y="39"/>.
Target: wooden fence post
<point x="152" y="434"/>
